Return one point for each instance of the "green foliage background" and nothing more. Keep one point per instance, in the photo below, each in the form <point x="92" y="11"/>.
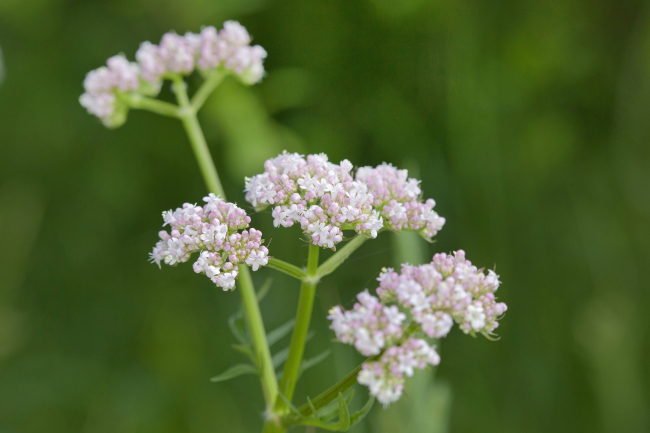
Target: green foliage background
<point x="528" y="122"/>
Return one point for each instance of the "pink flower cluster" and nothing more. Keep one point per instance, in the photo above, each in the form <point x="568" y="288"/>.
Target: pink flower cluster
<point x="435" y="295"/>
<point x="370" y="325"/>
<point x="385" y="378"/>
<point x="214" y="232"/>
<point x="102" y="84"/>
<point x="325" y="198"/>
<point x="449" y="289"/>
<point x="228" y="49"/>
<point x="397" y="198"/>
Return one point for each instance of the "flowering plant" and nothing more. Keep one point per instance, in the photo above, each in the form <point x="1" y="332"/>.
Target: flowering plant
<point x="396" y="329"/>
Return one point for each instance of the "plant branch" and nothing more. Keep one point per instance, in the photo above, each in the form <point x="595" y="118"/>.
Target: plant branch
<point x="206" y="89"/>
<point x="287" y="268"/>
<point x="197" y="139"/>
<point x="340" y="256"/>
<point x="140" y="102"/>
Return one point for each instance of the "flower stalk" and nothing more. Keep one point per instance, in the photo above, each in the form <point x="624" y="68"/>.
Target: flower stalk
<point x="299" y="335"/>
<point x="197" y="139"/>
<point x="340" y="256"/>
<point x="206" y="89"/>
<point x="287" y="268"/>
<point x="140" y="102"/>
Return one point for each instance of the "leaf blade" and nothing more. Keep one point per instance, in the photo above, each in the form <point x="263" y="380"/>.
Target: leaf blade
<point x="235" y="371"/>
<point x="344" y="418"/>
<point x="279" y="332"/>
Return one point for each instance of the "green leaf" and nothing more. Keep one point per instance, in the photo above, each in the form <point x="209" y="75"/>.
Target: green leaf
<point x="236" y="324"/>
<point x="245" y="349"/>
<point x="279" y="332"/>
<point x="261" y="293"/>
<point x="234" y="371"/>
<point x="344" y="418"/>
<point x="328" y="412"/>
<point x="361" y="413"/>
<point x="312" y="408"/>
<point x="309" y="363"/>
<point x="279" y="358"/>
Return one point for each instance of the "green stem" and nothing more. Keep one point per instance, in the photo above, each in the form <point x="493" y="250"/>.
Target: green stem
<point x="340" y="256"/>
<point x="140" y="102"/>
<point x="256" y="327"/>
<point x="287" y="268"/>
<point x="207" y="88"/>
<point x="197" y="139"/>
<point x="299" y="335"/>
<point x="246" y="288"/>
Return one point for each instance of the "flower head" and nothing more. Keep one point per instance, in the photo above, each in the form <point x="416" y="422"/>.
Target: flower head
<point x="103" y="85"/>
<point x="228" y="50"/>
<point x="435" y="295"/>
<point x="327" y="198"/>
<point x="218" y="232"/>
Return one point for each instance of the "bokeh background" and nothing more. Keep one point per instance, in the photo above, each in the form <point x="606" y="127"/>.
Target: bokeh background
<point x="528" y="122"/>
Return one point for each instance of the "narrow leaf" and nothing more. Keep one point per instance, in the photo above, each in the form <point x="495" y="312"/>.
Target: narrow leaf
<point x="279" y="358"/>
<point x="261" y="293"/>
<point x="236" y="324"/>
<point x="309" y="363"/>
<point x="361" y="413"/>
<point x="328" y="412"/>
<point x="279" y="332"/>
<point x="313" y="408"/>
<point x="234" y="371"/>
<point x="245" y="349"/>
<point x="344" y="418"/>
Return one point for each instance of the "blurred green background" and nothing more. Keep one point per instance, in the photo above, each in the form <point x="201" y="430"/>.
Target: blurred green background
<point x="528" y="122"/>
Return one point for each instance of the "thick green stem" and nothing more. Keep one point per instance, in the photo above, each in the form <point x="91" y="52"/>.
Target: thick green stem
<point x="340" y="256"/>
<point x="287" y="268"/>
<point x="245" y="283"/>
<point x="256" y="327"/>
<point x="299" y="335"/>
<point x="195" y="134"/>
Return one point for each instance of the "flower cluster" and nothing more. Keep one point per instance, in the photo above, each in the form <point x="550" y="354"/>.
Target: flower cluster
<point x="385" y="377"/>
<point x="325" y="198"/>
<point x="103" y="84"/>
<point x="435" y="295"/>
<point x="214" y="232"/>
<point x="228" y="49"/>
